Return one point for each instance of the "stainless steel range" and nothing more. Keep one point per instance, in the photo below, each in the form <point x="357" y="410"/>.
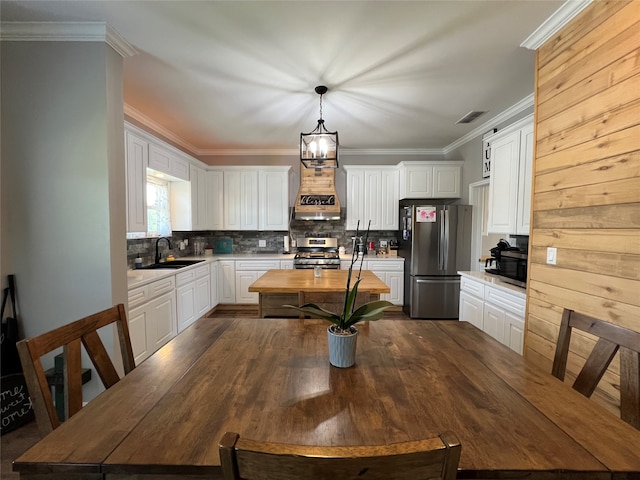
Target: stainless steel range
<point x="317" y="252"/>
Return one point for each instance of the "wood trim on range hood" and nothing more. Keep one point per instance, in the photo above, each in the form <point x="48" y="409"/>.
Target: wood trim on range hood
<point x="317" y="197"/>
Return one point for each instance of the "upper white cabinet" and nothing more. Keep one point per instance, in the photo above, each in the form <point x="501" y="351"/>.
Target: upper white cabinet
<point x="273" y="204"/>
<point x="167" y="161"/>
<point x="137" y="158"/>
<point x="214" y="198"/>
<point x="510" y="183"/>
<point x="430" y="179"/>
<point x="198" y="197"/>
<point x="255" y="198"/>
<point x="372" y="195"/>
<point x="240" y="199"/>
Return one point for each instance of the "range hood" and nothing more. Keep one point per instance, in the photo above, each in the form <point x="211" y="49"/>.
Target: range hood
<point x="317" y="198"/>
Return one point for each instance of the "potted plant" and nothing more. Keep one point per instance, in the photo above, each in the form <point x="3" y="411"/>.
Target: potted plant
<point x="342" y="333"/>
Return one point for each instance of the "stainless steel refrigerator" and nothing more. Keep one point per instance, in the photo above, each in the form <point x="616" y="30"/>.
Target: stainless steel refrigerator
<point x="435" y="240"/>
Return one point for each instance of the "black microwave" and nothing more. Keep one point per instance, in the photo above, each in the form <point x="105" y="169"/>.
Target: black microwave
<point x="513" y="264"/>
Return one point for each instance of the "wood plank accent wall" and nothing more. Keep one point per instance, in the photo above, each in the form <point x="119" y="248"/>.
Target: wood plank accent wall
<point x="586" y="184"/>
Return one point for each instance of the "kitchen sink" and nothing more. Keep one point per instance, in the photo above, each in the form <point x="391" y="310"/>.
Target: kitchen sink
<point x="174" y="264"/>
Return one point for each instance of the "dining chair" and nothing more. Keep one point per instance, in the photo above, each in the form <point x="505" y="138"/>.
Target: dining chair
<point x="611" y="339"/>
<point x="332" y="301"/>
<point x="433" y="458"/>
<point x="70" y="337"/>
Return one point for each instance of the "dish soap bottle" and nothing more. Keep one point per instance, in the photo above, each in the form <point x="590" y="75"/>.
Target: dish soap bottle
<point x="138" y="262"/>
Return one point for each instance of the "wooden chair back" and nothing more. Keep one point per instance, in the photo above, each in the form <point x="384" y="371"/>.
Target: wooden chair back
<point x="433" y="458"/>
<point x="611" y="339"/>
<point x="332" y="301"/>
<point x="70" y="337"/>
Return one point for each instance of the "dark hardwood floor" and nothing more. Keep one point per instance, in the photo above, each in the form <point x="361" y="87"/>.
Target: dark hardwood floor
<point x="13" y="444"/>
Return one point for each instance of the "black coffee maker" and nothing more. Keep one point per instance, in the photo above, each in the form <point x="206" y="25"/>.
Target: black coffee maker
<point x="496" y="253"/>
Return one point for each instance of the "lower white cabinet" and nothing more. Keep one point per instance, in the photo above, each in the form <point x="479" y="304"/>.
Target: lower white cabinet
<point x="391" y="272"/>
<point x="215" y="294"/>
<point x="494" y="310"/>
<point x="247" y="272"/>
<point x="227" y="281"/>
<point x="193" y="295"/>
<point x="152" y="317"/>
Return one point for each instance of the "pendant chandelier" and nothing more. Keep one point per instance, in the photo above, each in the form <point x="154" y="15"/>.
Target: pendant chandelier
<point x="319" y="148"/>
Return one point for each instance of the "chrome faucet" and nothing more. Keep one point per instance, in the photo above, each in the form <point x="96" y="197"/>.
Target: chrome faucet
<point x="157" y="252"/>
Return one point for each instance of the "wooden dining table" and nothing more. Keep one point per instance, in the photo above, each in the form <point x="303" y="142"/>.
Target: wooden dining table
<point x="270" y="380"/>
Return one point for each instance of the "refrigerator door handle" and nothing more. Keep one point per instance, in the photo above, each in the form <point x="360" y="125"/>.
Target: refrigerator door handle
<point x="445" y="259"/>
<point x="441" y="242"/>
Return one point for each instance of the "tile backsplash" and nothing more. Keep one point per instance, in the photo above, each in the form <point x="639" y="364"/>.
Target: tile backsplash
<point x="248" y="241"/>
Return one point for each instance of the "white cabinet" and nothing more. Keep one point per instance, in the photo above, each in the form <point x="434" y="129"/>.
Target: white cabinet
<point x="391" y="272"/>
<point x="167" y="161"/>
<point x="152" y="317"/>
<point x="240" y="199"/>
<point x="247" y="272"/>
<point x="215" y="295"/>
<point x="193" y="295"/>
<point x="273" y="205"/>
<point x="494" y="310"/>
<point x="188" y="202"/>
<point x="214" y="198"/>
<point x="286" y="264"/>
<point x="137" y="157"/>
<point x="227" y="281"/>
<point x="430" y="180"/>
<point x="372" y="195"/>
<point x="471" y="309"/>
<point x="510" y="183"/>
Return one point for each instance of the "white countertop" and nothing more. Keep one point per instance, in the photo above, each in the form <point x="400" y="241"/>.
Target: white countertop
<point x="495" y="281"/>
<point x="140" y="277"/>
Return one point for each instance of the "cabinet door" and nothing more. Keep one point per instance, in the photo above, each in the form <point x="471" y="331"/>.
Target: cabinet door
<point x="273" y="206"/>
<point x="198" y="198"/>
<point x="243" y="280"/>
<point x="514" y="332"/>
<point x="493" y="317"/>
<point x="186" y="305"/>
<point x="525" y="173"/>
<point x="390" y="195"/>
<point x="355" y="199"/>
<point x="503" y="186"/>
<point x="214" y="199"/>
<point x="159" y="159"/>
<point x="138" y="332"/>
<point x="446" y="181"/>
<point x="136" y="168"/>
<point x="240" y="200"/>
<point x="227" y="281"/>
<point x="395" y="281"/>
<point x="471" y="310"/>
<point x="372" y="200"/>
<point x="418" y="181"/>
<point x="215" y="298"/>
<point x="203" y="295"/>
<point x="162" y="323"/>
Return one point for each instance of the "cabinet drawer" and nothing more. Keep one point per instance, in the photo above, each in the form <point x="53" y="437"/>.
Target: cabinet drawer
<point x="161" y="287"/>
<point x="385" y="265"/>
<point x="257" y="265"/>
<point x="202" y="271"/>
<point x="504" y="300"/>
<point x="185" y="277"/>
<point x="138" y="296"/>
<point x="472" y="287"/>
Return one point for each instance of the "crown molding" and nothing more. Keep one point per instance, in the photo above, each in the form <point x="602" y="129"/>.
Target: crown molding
<point x="519" y="107"/>
<point x="391" y="151"/>
<point x="567" y="11"/>
<point x="66" y="32"/>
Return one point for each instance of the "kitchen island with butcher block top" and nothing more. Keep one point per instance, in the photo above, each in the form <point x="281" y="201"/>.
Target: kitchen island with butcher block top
<point x="283" y="287"/>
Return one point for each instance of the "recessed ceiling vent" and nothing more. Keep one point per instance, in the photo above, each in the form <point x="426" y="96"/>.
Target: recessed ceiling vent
<point x="470" y="117"/>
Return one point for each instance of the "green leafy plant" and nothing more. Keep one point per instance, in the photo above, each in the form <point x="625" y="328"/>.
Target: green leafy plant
<point x="349" y="315"/>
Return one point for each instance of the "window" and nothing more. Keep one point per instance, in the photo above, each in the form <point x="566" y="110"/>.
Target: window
<point x="158" y="213"/>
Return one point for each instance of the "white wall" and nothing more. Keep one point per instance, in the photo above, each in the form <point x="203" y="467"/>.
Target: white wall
<point x="63" y="221"/>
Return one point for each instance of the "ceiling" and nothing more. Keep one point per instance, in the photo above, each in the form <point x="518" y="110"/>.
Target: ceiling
<point x="239" y="76"/>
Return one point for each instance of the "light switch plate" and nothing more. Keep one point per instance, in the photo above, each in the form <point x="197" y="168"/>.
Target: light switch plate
<point x="551" y="255"/>
<point x="262" y="243"/>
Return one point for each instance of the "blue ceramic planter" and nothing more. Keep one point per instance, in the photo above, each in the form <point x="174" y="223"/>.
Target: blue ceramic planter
<point x="342" y="348"/>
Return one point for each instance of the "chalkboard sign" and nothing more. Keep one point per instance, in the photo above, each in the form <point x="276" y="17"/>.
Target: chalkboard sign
<point x="14" y="403"/>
